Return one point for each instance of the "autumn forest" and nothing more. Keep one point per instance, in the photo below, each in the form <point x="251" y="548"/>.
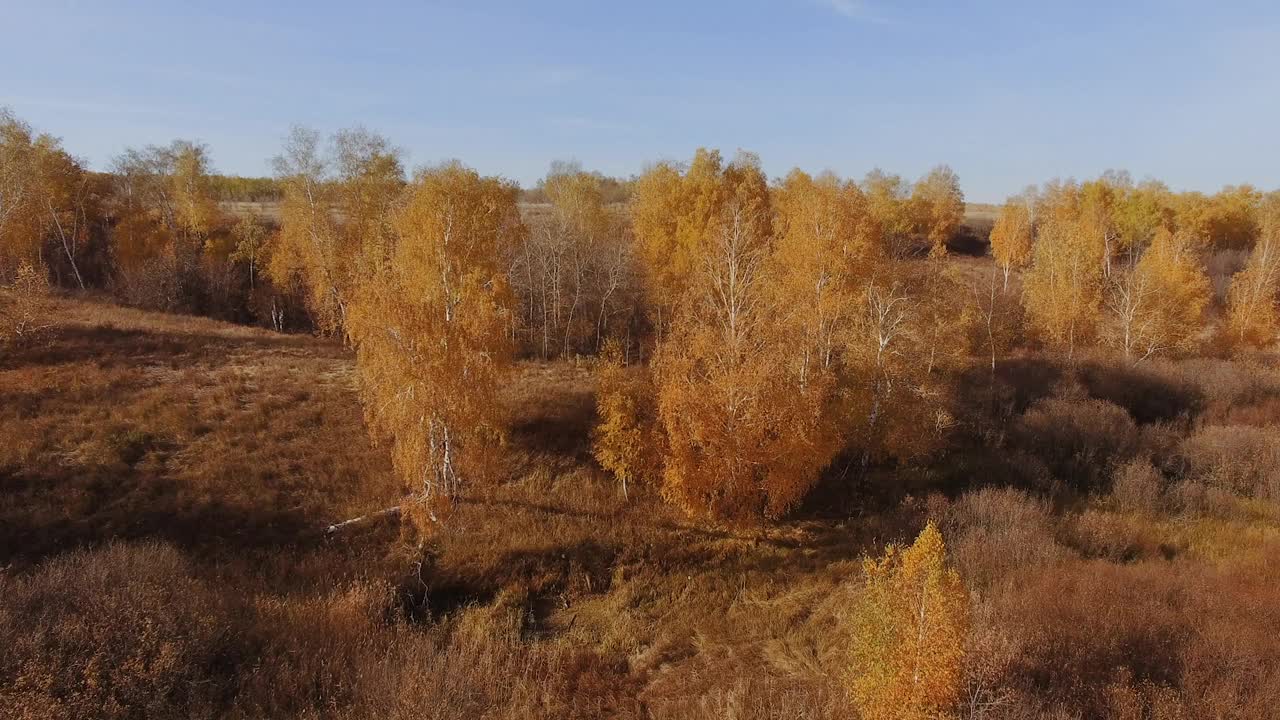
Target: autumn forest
<point x="362" y="440"/>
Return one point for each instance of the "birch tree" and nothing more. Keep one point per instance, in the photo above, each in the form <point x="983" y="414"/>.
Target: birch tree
<point x="938" y="205"/>
<point x="1011" y="236"/>
<point x="1157" y="306"/>
<point x="337" y="206"/>
<point x="428" y="318"/>
<point x="1253" y="318"/>
<point x="714" y="369"/>
<point x="909" y="627"/>
<point x="1063" y="290"/>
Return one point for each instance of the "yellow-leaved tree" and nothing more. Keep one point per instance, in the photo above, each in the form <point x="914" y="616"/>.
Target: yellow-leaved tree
<point x="336" y="206"/>
<point x="673" y="215"/>
<point x="1011" y="236"/>
<point x="828" y="247"/>
<point x="1253" y="318"/>
<point x="46" y="201"/>
<point x="429" y="318"/>
<point x="1063" y="290"/>
<point x="909" y="627"/>
<point x="938" y="205"/>
<point x="1157" y="305"/>
<point x="889" y="200"/>
<point x="20" y="192"/>
<point x="625" y="441"/>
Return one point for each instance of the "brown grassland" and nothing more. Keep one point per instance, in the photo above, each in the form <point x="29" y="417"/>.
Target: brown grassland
<point x="165" y="481"/>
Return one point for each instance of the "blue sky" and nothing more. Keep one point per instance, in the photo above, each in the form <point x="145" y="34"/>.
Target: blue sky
<point x="1007" y="93"/>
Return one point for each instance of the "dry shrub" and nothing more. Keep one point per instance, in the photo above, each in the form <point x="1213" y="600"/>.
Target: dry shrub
<point x="1193" y="497"/>
<point x="125" y="631"/>
<point x="1137" y="486"/>
<point x="1115" y="537"/>
<point x="1239" y="459"/>
<point x="1152" y="639"/>
<point x="1081" y="622"/>
<point x="23" y="306"/>
<point x="996" y="531"/>
<point x="154" y="284"/>
<point x="1234" y="392"/>
<point x="1079" y="439"/>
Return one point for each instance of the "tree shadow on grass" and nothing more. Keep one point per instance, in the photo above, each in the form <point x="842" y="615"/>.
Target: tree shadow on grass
<point x="108" y="346"/>
<point x="43" y="513"/>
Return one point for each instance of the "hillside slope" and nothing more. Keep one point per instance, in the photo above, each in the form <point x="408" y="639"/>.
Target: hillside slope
<point x="165" y="480"/>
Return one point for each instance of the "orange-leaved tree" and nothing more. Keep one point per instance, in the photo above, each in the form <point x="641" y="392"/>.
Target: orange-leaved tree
<point x="429" y="319"/>
<point x="715" y="370"/>
<point x="909" y="628"/>
<point x="674" y="215"/>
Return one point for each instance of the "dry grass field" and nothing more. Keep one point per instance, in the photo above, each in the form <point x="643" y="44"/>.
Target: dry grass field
<point x="165" y="482"/>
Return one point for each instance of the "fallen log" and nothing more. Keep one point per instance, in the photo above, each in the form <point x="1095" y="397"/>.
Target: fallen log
<point x="363" y="519"/>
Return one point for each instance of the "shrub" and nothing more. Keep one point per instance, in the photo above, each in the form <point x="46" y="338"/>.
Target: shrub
<point x="1239" y="458"/>
<point x="625" y="440"/>
<point x="23" y="314"/>
<point x="1136" y="486"/>
<point x="120" y="632"/>
<point x="1080" y="440"/>
<point x="996" y="531"/>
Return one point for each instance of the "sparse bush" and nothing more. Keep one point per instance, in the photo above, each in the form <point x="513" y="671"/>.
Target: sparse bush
<point x="1118" y="538"/>
<point x="997" y="531"/>
<point x="23" y="314"/>
<point x="1136" y="486"/>
<point x="1239" y="459"/>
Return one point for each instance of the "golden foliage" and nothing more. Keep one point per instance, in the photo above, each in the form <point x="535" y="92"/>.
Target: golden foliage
<point x="430" y="320"/>
<point x="1253" y="318"/>
<point x="888" y="198"/>
<point x="44" y="196"/>
<point x="938" y="204"/>
<point x="574" y="273"/>
<point x="625" y="441"/>
<point x="910" y="626"/>
<point x="1011" y="236"/>
<point x="673" y="215"/>
<point x="897" y="400"/>
<point x="715" y="373"/>
<point x="1063" y="288"/>
<point x="1158" y="305"/>
<point x="164" y="202"/>
<point x="251" y="244"/>
<point x="336" y="208"/>
<point x="20" y="201"/>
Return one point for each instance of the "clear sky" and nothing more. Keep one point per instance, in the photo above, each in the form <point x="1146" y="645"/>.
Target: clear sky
<point x="1008" y="93"/>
